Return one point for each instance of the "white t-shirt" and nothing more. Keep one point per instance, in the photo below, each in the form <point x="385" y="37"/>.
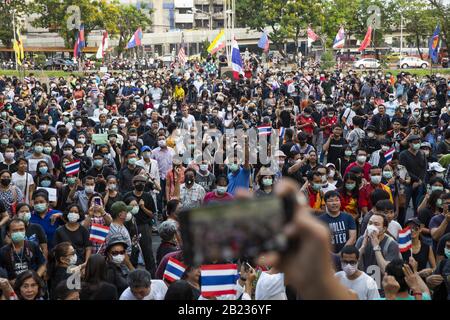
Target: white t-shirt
<point x="158" y="291"/>
<point x="188" y="122"/>
<point x="21" y="182"/>
<point x="364" y="286"/>
<point x="393" y="228"/>
<point x="270" y="287"/>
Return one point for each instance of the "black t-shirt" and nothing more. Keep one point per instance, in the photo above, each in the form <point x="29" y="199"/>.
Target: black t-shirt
<point x="141" y="216"/>
<point x="79" y="240"/>
<point x="36" y="233"/>
<point x="286" y="148"/>
<point x="29" y="258"/>
<point x="10" y="167"/>
<point x="285" y="118"/>
<point x="111" y="200"/>
<point x="336" y="150"/>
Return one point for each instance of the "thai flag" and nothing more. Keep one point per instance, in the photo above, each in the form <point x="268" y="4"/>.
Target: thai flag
<point x="98" y="233"/>
<point x="404" y="240"/>
<point x="389" y="155"/>
<point x="263" y="42"/>
<point x="106" y="76"/>
<point x="264" y="130"/>
<point x="218" y="279"/>
<point x="80" y="43"/>
<point x="135" y="40"/>
<point x="281" y="132"/>
<point x="340" y="39"/>
<point x="236" y="60"/>
<point x="73" y="167"/>
<point x="174" y="270"/>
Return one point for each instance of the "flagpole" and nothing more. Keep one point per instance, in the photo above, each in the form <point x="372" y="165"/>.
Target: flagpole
<point x="15" y="39"/>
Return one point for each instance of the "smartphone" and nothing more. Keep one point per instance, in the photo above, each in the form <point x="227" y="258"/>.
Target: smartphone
<point x="240" y="230"/>
<point x="97" y="201"/>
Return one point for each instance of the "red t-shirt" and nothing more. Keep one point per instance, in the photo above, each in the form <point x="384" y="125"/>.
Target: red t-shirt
<point x="211" y="197"/>
<point x="309" y="128"/>
<point x="366" y="169"/>
<point x="366" y="191"/>
<point x="327" y="121"/>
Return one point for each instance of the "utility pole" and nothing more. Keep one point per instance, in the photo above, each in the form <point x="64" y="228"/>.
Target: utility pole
<point x="14" y="32"/>
<point x="401" y="35"/>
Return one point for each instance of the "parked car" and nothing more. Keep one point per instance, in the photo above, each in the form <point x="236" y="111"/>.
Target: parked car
<point x="59" y="64"/>
<point x="413" y="62"/>
<point x="367" y="63"/>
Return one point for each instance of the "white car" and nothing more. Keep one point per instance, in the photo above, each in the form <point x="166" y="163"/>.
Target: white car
<point x="367" y="63"/>
<point x="413" y="62"/>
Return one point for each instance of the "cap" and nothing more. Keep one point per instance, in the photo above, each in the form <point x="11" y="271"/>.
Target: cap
<point x="116" y="238"/>
<point x="145" y="148"/>
<point x="119" y="207"/>
<point x="330" y="165"/>
<point x="413" y="138"/>
<point x="279" y="153"/>
<point x="425" y="145"/>
<point x="139" y="178"/>
<point x="436" y="166"/>
<point x="414" y="220"/>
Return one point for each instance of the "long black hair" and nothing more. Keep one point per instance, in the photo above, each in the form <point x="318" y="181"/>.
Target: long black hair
<point x="95" y="272"/>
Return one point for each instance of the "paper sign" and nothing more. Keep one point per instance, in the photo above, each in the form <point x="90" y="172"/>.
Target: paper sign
<point x="100" y="138"/>
<point x="51" y="193"/>
<point x="103" y="69"/>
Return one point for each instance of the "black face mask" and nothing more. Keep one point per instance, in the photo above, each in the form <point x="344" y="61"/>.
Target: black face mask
<point x="189" y="181"/>
<point x="5" y="182"/>
<point x="139" y="187"/>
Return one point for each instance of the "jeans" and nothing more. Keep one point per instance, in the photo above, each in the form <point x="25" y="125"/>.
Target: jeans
<point x="146" y="246"/>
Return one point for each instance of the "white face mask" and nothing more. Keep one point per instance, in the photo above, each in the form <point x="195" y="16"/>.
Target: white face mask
<point x="129" y="216"/>
<point x="349" y="269"/>
<point x="332" y="173"/>
<point x="73" y="217"/>
<point x="371" y="228"/>
<point x="361" y="159"/>
<point x="73" y="260"/>
<point x="118" y="259"/>
<point x="82" y="140"/>
<point x="79" y="150"/>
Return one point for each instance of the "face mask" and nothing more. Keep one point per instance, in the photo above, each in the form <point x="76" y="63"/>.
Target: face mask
<point x="370" y="134"/>
<point x="42" y="128"/>
<point x="146" y="155"/>
<point x="47" y="150"/>
<point x="267" y="181"/>
<point x="330" y="115"/>
<point x="114" y="130"/>
<point x="28" y="144"/>
<point x="82" y="140"/>
<point x="79" y="150"/>
<point x="221" y="189"/>
<point x="17" y="236"/>
<point x="447" y="253"/>
<point x="46" y="183"/>
<point x="324" y="178"/>
<point x="233" y="167"/>
<point x="19" y="128"/>
<point x="139" y="187"/>
<point x="129" y="216"/>
<point x="38" y="149"/>
<point x="71" y="180"/>
<point x="98" y="162"/>
<point x="66" y="119"/>
<point x="73" y="260"/>
<point x="73" y="217"/>
<point x="385" y="148"/>
<point x="26" y="216"/>
<point x="416" y="114"/>
<point x="122" y="125"/>
<point x="416" y="146"/>
<point x="4" y="141"/>
<point x="436" y="188"/>
<point x="371" y="229"/>
<point x="331" y="174"/>
<point x="132" y="161"/>
<point x="89" y="189"/>
<point x="5" y="182"/>
<point x="118" y="259"/>
<point x="350" y="186"/>
<point x="78" y="123"/>
<point x="135" y="210"/>
<point x="317" y="186"/>
<point x="67" y="152"/>
<point x="112" y="187"/>
<point x="133" y="138"/>
<point x="375" y="179"/>
<point x="348" y="153"/>
<point x="387" y="174"/>
<point x="9" y="155"/>
<point x="162" y="143"/>
<point x="349" y="269"/>
<point x="361" y="159"/>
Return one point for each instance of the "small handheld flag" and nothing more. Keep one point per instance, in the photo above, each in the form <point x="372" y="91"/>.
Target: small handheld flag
<point x="98" y="233"/>
<point x="281" y="132"/>
<point x="389" y="155"/>
<point x="434" y="45"/>
<point x="218" y="279"/>
<point x="264" y="130"/>
<point x="404" y="239"/>
<point x="340" y="39"/>
<point x="263" y="42"/>
<point x="174" y="270"/>
<point x="236" y="61"/>
<point x="73" y="167"/>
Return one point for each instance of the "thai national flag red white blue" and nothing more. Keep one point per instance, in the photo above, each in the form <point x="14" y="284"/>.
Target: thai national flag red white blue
<point x="80" y="43"/>
<point x="264" y="130"/>
<point x="218" y="279"/>
<point x="136" y="39"/>
<point x="174" y="270"/>
<point x="389" y="155"/>
<point x="73" y="167"/>
<point x="98" y="233"/>
<point x="339" y="41"/>
<point x="263" y="42"/>
<point x="404" y="239"/>
<point x="236" y="61"/>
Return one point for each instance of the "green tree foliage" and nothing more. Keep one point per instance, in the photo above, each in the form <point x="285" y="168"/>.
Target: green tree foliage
<point x="6" y="21"/>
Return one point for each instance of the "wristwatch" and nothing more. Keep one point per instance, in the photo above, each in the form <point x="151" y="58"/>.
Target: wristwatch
<point x="377" y="248"/>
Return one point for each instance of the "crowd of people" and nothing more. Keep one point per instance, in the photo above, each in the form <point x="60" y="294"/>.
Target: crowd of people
<point x="368" y="151"/>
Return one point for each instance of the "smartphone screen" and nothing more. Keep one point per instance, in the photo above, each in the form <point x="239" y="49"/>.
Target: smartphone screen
<point x="97" y="201"/>
<point x="239" y="230"/>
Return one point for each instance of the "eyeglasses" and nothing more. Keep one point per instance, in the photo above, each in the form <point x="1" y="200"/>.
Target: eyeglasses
<point x="116" y="253"/>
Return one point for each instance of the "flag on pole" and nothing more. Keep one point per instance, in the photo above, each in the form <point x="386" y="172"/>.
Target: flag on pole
<point x="73" y="167"/>
<point x="404" y="239"/>
<point x="263" y="42"/>
<point x="80" y="43"/>
<point x="366" y="41"/>
<point x="218" y="279"/>
<point x="434" y="45"/>
<point x="312" y="36"/>
<point x="339" y="41"/>
<point x="18" y="47"/>
<point x="174" y="270"/>
<point x="218" y="43"/>
<point x="182" y="59"/>
<point x="236" y="61"/>
<point x="389" y="155"/>
<point x="98" y="233"/>
<point x="136" y="39"/>
<point x="103" y="46"/>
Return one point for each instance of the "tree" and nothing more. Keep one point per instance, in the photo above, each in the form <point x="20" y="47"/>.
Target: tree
<point x="6" y="22"/>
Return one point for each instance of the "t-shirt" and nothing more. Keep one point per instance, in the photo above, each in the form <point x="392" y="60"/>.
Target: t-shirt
<point x="21" y="183"/>
<point x="393" y="228"/>
<point x="29" y="258"/>
<point x="336" y="150"/>
<point x="211" y="198"/>
<point x="141" y="216"/>
<point x="435" y="222"/>
<point x="340" y="227"/>
<point x="158" y="291"/>
<point x="239" y="180"/>
<point x="78" y="238"/>
<point x="36" y="234"/>
<point x="364" y="286"/>
<point x="47" y="225"/>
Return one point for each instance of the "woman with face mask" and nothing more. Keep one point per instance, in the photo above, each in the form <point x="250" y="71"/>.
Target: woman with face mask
<point x="111" y="193"/>
<point x="62" y="258"/>
<point x="74" y="233"/>
<point x="265" y="182"/>
<point x="96" y="214"/>
<point x="10" y="194"/>
<point x="349" y="193"/>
